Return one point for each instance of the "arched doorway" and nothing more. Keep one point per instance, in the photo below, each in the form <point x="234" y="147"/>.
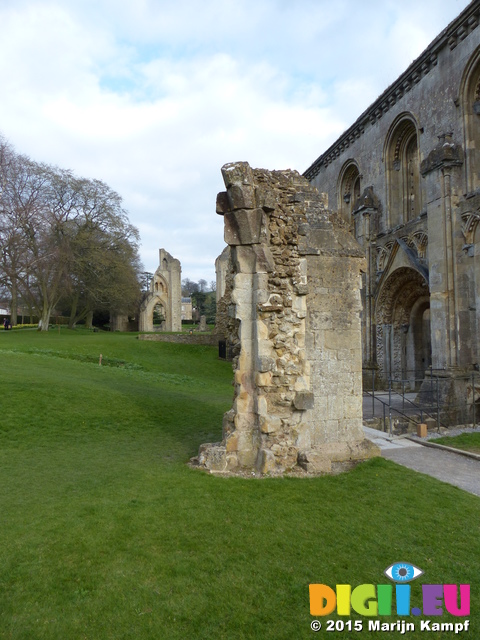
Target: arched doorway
<point x="159" y="317"/>
<point x="154" y="312"/>
<point x="404" y="350"/>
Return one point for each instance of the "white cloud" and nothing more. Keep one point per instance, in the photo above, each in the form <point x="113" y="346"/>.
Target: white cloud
<point x="154" y="96"/>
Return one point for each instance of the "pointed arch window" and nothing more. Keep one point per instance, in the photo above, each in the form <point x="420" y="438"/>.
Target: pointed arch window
<point x="349" y="191"/>
<point x="470" y="97"/>
<point x="403" y="174"/>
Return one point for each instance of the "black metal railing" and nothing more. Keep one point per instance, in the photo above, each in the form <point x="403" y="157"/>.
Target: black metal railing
<point x="406" y="396"/>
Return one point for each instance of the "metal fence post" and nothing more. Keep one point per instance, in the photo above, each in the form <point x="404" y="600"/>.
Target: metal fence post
<point x="373" y="392"/>
<point x="473" y="399"/>
<point x="390" y="404"/>
<point x="438" y="406"/>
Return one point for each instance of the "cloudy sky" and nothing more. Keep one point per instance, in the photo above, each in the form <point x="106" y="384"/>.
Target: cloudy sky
<point x="154" y="96"/>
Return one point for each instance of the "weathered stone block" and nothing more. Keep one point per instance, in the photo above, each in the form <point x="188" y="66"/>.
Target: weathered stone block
<point x="232" y="462"/>
<point x="301" y="289"/>
<point x="239" y="173"/>
<point x="263" y="379"/>
<point x="265" y="363"/>
<point x="243" y="402"/>
<point x="222" y="205"/>
<point x="264" y="262"/>
<point x="243" y="421"/>
<point x="303" y="400"/>
<point x="228" y="424"/>
<point x="232" y="443"/>
<point x="213" y="456"/>
<point x="270" y="424"/>
<point x="314" y="462"/>
<point x="262" y="405"/>
<point x="240" y="197"/>
<point x="266" y="461"/>
<point x="243" y="227"/>
<point x="247" y="450"/>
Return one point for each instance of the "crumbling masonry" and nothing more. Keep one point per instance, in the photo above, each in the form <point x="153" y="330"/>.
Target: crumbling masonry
<point x="292" y="321"/>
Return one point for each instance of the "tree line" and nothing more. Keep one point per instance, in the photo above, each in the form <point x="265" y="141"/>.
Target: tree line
<point x="66" y="243"/>
<point x="203" y="297"/>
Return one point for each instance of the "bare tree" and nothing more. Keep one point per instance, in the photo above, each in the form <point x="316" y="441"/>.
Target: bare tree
<point x="64" y="238"/>
<point x="104" y="271"/>
<point x="21" y="223"/>
<point x="189" y="287"/>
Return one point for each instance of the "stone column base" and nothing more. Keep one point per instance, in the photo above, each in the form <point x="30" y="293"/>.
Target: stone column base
<point x="336" y="457"/>
<point x="330" y="458"/>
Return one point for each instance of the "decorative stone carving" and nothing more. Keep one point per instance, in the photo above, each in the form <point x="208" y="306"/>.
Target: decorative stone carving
<point x="445" y="154"/>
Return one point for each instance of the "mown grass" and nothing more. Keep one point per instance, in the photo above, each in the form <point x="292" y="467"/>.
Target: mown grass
<point x="106" y="533"/>
<point x="464" y="441"/>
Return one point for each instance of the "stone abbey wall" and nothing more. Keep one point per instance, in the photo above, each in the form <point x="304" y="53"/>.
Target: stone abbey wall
<point x="405" y="177"/>
<point x="292" y="320"/>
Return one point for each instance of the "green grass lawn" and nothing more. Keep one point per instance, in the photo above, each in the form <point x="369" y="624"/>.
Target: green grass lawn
<point x="106" y="533"/>
<point x="464" y="441"/>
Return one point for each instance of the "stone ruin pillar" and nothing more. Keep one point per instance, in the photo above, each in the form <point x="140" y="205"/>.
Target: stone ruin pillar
<point x="165" y="289"/>
<point x="293" y="291"/>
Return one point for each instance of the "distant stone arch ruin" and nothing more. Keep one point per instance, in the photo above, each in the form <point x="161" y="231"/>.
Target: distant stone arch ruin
<point x="165" y="293"/>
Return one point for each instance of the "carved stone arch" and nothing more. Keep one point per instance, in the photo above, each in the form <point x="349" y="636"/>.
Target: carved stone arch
<point x="469" y="98"/>
<point x="420" y="238"/>
<point x="410" y="242"/>
<point x="405" y="279"/>
<point x="470" y="220"/>
<point x="477" y="91"/>
<point x="150" y="301"/>
<point x="383" y="255"/>
<point x="402" y="171"/>
<point x="396" y="134"/>
<point x="403" y="329"/>
<point x="348" y="189"/>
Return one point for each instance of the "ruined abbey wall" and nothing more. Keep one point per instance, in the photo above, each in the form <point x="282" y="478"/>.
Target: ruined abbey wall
<point x="292" y="320"/>
<point x="405" y="178"/>
<point x="165" y="293"/>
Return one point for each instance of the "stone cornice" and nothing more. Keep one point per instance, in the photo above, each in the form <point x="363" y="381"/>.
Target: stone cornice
<point x="450" y="37"/>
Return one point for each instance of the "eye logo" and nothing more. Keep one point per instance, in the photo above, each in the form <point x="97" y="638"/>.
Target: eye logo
<point x="402" y="572"/>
